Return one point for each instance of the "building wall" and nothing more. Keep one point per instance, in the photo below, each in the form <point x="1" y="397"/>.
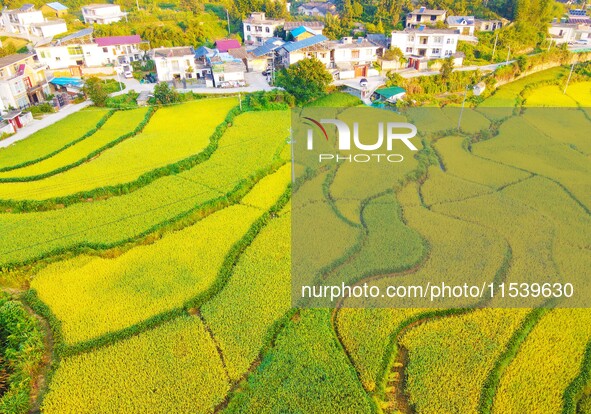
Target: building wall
<point x="169" y="67"/>
<point x="258" y="33"/>
<point x="60" y="57"/>
<point x="366" y="55"/>
<point x="438" y="45"/>
<point x="413" y="21"/>
<point x="49" y="31"/>
<point x="102" y="15"/>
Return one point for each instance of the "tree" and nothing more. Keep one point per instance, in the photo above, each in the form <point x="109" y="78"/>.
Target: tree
<point x="95" y="91"/>
<point x="164" y="94"/>
<point x="306" y="80"/>
<point x="447" y="68"/>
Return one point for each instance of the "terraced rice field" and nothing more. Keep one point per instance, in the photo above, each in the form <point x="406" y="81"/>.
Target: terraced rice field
<point x="162" y="261"/>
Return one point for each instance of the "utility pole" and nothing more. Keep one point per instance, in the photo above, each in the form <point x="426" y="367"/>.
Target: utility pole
<point x="240" y="100"/>
<point x="508" y="55"/>
<point x="291" y="142"/>
<point x="495" y="47"/>
<point x="463" y="104"/>
<point x="568" y="80"/>
<point x="137" y="3"/>
<point x="228" y="21"/>
<point x="549" y="45"/>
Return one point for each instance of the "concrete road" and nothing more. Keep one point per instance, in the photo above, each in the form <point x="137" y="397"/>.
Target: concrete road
<point x="38" y="124"/>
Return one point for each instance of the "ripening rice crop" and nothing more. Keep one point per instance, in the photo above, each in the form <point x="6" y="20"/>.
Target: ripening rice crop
<point x="527" y="231"/>
<point x="241" y="317"/>
<point x="306" y="371"/>
<point x="52" y="138"/>
<point x="567" y="125"/>
<point x="250" y="146"/>
<point x="388" y="247"/>
<point x="459" y="251"/>
<point x="450" y="358"/>
<point x="174" y="368"/>
<point x="549" y="96"/>
<point x="471" y="120"/>
<point x="172" y="134"/>
<point x="506" y="95"/>
<point x="580" y="92"/>
<point x="523" y="147"/>
<point x="120" y="123"/>
<point x="319" y="237"/>
<point x="461" y="163"/>
<point x="547" y="361"/>
<point x="365" y="334"/>
<point x="441" y="187"/>
<point x="93" y="296"/>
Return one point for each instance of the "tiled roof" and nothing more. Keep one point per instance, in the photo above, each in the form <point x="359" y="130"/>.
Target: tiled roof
<point x="57" y="6"/>
<point x="11" y="59"/>
<point x="78" y="34"/>
<point x="314" y="25"/>
<point x="166" y="52"/>
<point x="118" y="40"/>
<point x="269" y="46"/>
<point x="223" y="45"/>
<point x="424" y="10"/>
<point x="460" y="20"/>
<point x="293" y="46"/>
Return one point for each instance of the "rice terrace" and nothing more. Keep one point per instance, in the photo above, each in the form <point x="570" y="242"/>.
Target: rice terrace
<point x="145" y="256"/>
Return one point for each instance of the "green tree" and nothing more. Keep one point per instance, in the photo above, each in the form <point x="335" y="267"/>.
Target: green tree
<point x="165" y="94"/>
<point x="447" y="68"/>
<point x="95" y="91"/>
<point x="306" y="80"/>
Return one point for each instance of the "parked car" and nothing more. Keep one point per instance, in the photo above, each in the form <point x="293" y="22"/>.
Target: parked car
<point x="128" y="74"/>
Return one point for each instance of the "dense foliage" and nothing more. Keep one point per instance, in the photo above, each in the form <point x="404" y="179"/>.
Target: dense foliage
<point x="306" y="80"/>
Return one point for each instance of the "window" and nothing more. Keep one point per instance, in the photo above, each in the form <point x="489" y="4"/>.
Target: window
<point x="436" y="51"/>
<point x="323" y="55"/>
<point x="175" y="65"/>
<point x="448" y="53"/>
<point x="450" y="41"/>
<point x="355" y="54"/>
<point x="75" y="50"/>
<point x="411" y="38"/>
<point x="409" y="50"/>
<point x="43" y="55"/>
<point x="105" y="49"/>
<point x="267" y="30"/>
<point x="248" y="28"/>
<point x="57" y="58"/>
<point x="438" y="39"/>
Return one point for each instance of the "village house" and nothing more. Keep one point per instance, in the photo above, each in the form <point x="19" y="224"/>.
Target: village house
<point x="102" y="13"/>
<point x="120" y="50"/>
<point x="22" y="81"/>
<point x="570" y="33"/>
<point x="312" y="47"/>
<point x="423" y="44"/>
<point x="313" y="26"/>
<point x="223" y="45"/>
<point x="28" y="21"/>
<point x="489" y="25"/>
<point x="578" y="16"/>
<point x="465" y="24"/>
<point x="263" y="57"/>
<point x="317" y="9"/>
<point x="300" y="33"/>
<point x="353" y="58"/>
<point x="424" y="16"/>
<point x="258" y="28"/>
<point x="54" y="9"/>
<point x="81" y="49"/>
<point x="174" y="63"/>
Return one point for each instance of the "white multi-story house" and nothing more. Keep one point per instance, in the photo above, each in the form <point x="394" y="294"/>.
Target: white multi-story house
<point x="120" y="50"/>
<point x="22" y="81"/>
<point x="49" y="28"/>
<point x="26" y="20"/>
<point x="174" y="63"/>
<point x="422" y="44"/>
<point x="102" y="13"/>
<point x="424" y="16"/>
<point x="570" y="33"/>
<point x="317" y="9"/>
<point x="488" y="25"/>
<point x="465" y="24"/>
<point x="257" y="28"/>
<point x="353" y="57"/>
<point x="313" y="47"/>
